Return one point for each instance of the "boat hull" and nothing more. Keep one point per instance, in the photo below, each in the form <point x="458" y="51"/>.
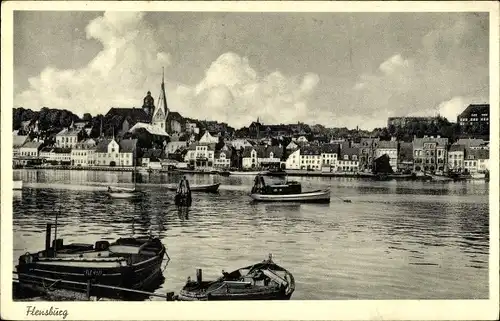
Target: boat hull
<point x="245" y="173"/>
<point x="76" y="272"/>
<point x="260" y="281"/>
<point x="322" y="196"/>
<point x="124" y="195"/>
<point x="213" y="188"/>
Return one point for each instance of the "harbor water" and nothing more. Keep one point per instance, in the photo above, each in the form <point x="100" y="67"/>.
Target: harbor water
<point x="394" y="240"/>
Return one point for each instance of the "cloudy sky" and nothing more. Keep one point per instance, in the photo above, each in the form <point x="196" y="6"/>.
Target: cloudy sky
<point x="336" y="69"/>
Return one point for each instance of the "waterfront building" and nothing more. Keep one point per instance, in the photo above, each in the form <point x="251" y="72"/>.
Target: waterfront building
<point x="222" y="159"/>
<point x="46" y="153"/>
<point x="61" y="156"/>
<point x="310" y="158"/>
<point x="329" y="156"/>
<point x="82" y="154"/>
<point x="348" y="160"/>
<point x="258" y="156"/>
<point x="127" y="152"/>
<point x="17" y="142"/>
<point x="30" y="149"/>
<point x="207" y="138"/>
<point x="293" y="160"/>
<point x="405" y="157"/>
<point x="201" y="156"/>
<point x="483" y="157"/>
<point x="456" y="156"/>
<point x="152" y="158"/>
<point x="389" y="148"/>
<point x="111" y="153"/>
<point x="367" y="149"/>
<point x="67" y="137"/>
<point x="476" y="160"/>
<point x="430" y="154"/>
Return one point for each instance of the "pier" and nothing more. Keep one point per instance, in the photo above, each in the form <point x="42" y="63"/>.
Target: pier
<point x="31" y="292"/>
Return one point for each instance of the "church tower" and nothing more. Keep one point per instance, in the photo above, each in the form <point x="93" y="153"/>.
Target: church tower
<point x="161" y="113"/>
<point x="149" y="104"/>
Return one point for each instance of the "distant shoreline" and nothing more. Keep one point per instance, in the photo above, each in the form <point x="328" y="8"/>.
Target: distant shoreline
<point x="294" y="173"/>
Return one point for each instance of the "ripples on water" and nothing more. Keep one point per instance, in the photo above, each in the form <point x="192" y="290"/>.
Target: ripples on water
<point x="396" y="240"/>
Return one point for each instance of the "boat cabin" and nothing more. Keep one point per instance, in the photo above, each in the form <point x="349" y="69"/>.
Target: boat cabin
<point x="275" y="186"/>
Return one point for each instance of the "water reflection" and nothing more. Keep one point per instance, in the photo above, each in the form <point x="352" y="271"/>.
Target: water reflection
<point x="395" y="240"/>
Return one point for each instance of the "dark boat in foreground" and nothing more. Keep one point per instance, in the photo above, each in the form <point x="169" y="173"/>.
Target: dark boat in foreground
<point x="132" y="263"/>
<point x="208" y="188"/>
<point x="261" y="281"/>
<point x="285" y="191"/>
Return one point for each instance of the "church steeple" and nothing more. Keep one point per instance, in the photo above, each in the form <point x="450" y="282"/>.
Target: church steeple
<point x="161" y="113"/>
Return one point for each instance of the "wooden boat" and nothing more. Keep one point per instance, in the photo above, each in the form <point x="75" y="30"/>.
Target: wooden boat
<point x="132" y="263"/>
<point x="245" y="173"/>
<point x="286" y="191"/>
<point x="17" y="185"/>
<point x="440" y="178"/>
<point x="261" y="281"/>
<point x="209" y="188"/>
<point x="478" y="175"/>
<point x="122" y="192"/>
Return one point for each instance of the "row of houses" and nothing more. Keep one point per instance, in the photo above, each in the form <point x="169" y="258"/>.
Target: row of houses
<point x="422" y="154"/>
<point x="107" y="152"/>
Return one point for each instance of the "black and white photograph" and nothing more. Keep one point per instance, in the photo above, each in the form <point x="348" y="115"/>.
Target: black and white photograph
<point x="170" y="152"/>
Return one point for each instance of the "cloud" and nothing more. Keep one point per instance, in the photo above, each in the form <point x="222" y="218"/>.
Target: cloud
<point x="118" y="75"/>
<point x="450" y="109"/>
<point x="232" y="91"/>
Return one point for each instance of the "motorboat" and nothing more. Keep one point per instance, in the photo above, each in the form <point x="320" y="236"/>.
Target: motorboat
<point x="286" y="191"/>
<point x="17" y="185"/>
<point x="209" y="188"/>
<point x="131" y="263"/>
<point x="261" y="281"/>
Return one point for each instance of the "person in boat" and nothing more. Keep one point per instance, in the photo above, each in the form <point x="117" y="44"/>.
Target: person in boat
<point x="109" y="189"/>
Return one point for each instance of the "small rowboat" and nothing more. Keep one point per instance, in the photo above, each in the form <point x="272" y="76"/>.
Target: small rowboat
<point x="17" y="185"/>
<point x="261" y="281"/>
<point x="120" y="192"/>
<point x="209" y="188"/>
<point x="319" y="196"/>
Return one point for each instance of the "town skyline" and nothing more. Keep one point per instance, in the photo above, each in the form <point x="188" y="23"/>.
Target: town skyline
<point x="333" y="69"/>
